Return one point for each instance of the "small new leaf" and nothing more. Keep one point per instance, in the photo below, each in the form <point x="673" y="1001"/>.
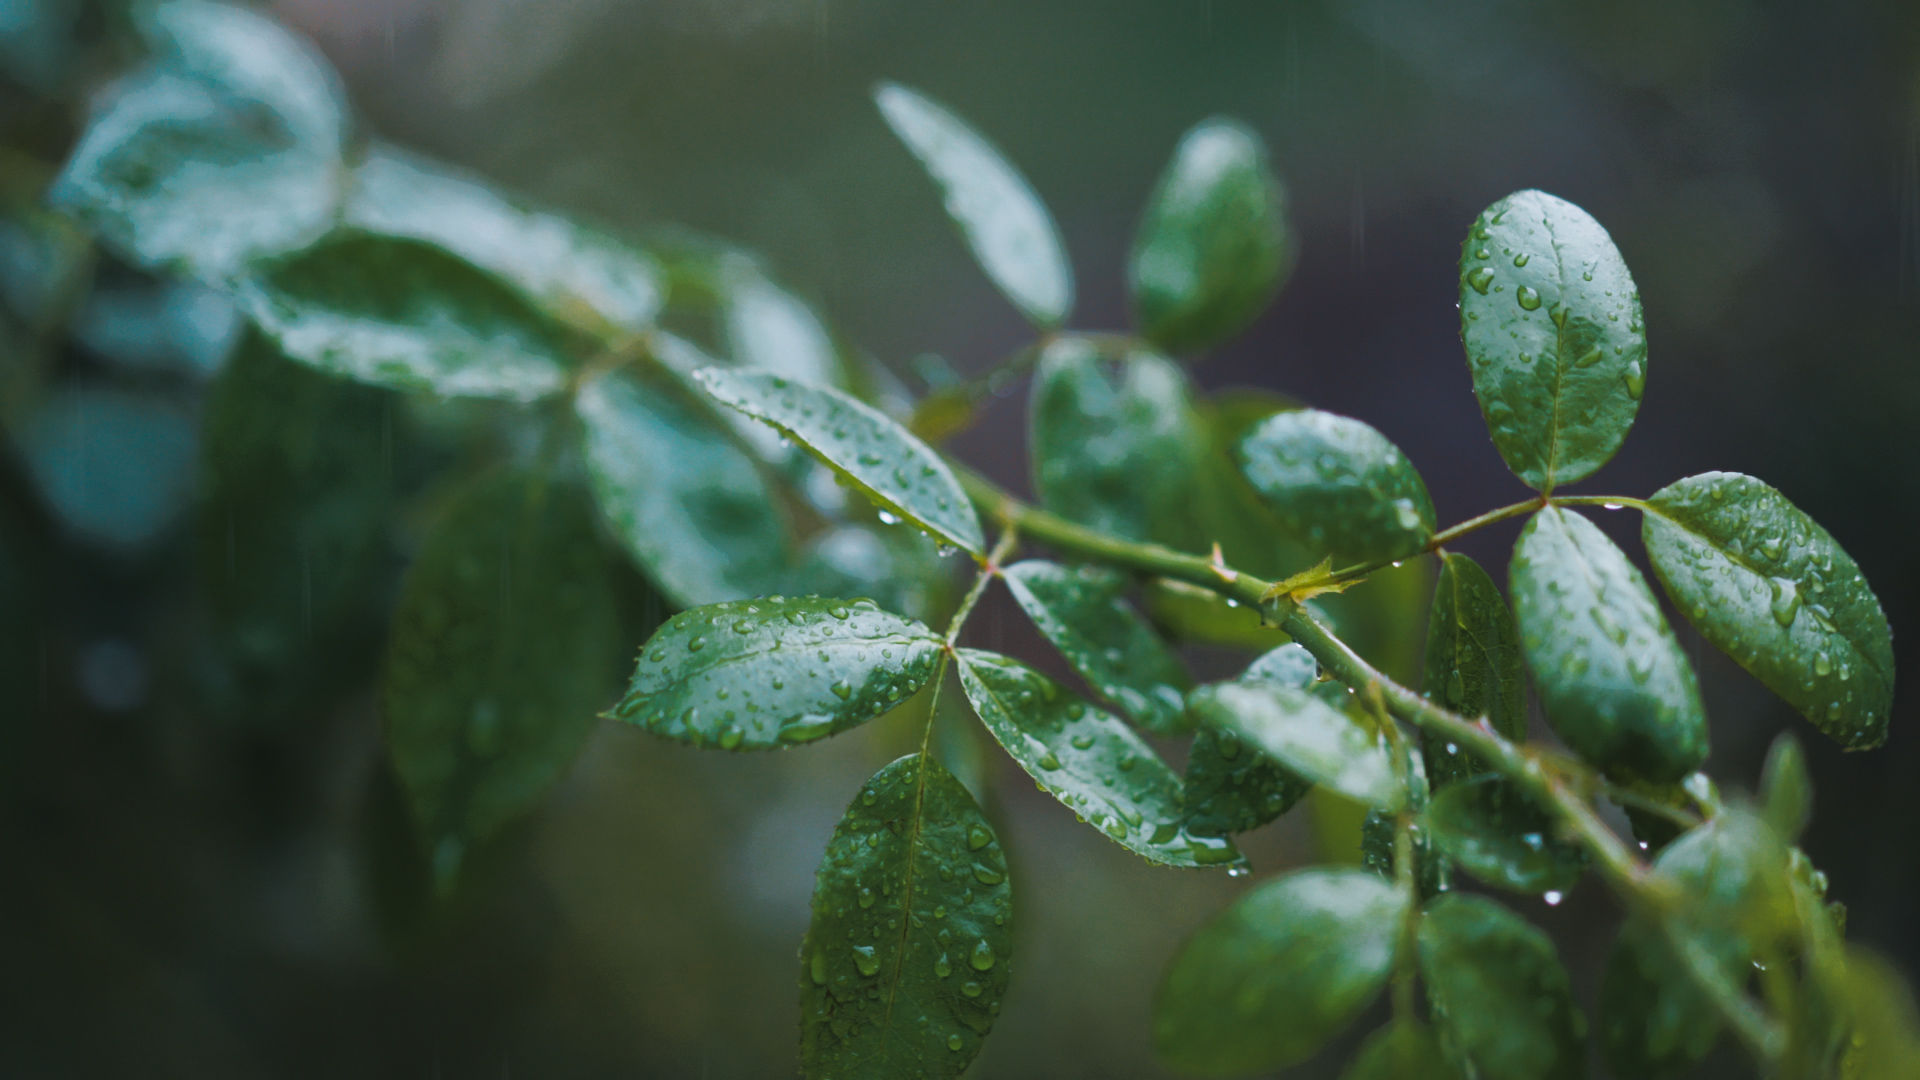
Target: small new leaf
<point x="1339" y="482"/>
<point x="1501" y="1000"/>
<point x="1081" y="612"/>
<point x="760" y="674"/>
<point x="1307" y="735"/>
<point x="1307" y="584"/>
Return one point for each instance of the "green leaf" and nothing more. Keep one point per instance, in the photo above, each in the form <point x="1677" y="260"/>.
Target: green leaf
<point x="1232" y="787"/>
<point x="768" y="327"/>
<point x="574" y="274"/>
<point x="691" y="507"/>
<point x="1501" y="999"/>
<point x="1213" y="247"/>
<point x="1340" y="484"/>
<point x="1000" y="217"/>
<point x="907" y="957"/>
<point x="1551" y="321"/>
<point x="1886" y="1022"/>
<point x="1288" y="665"/>
<point x="1772" y="589"/>
<point x="1493" y="831"/>
<point x="1612" y="679"/>
<point x="900" y="474"/>
<point x="1307" y="735"/>
<point x="407" y="315"/>
<point x="505" y="644"/>
<point x="1473" y="662"/>
<point x="1276" y="975"/>
<point x="1109" y="645"/>
<point x="225" y="148"/>
<point x="1403" y="1050"/>
<point x="1786" y="790"/>
<point x="1089" y="760"/>
<point x="760" y="674"/>
<point x="1113" y="444"/>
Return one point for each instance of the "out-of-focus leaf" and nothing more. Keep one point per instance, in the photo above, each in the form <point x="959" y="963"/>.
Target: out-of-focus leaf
<point x="1276" y="975"/>
<point x="1771" y="588"/>
<point x="1612" y="679"/>
<point x="1339" y="484"/>
<point x="1473" y="662"/>
<point x="1886" y="1022"/>
<point x="691" y="507"/>
<point x="1088" y="759"/>
<point x="899" y="473"/>
<point x="760" y="674"/>
<point x="575" y="274"/>
<point x="505" y="644"/>
<point x="1001" y="218"/>
<point x="115" y="466"/>
<point x="1551" y="321"/>
<point x="1310" y="737"/>
<point x="1214" y="246"/>
<point x="407" y="315"/>
<point x="1492" y="831"/>
<point x="1081" y="612"/>
<point x="1403" y="1050"/>
<point x="1288" y="665"/>
<point x="769" y="328"/>
<point x="1113" y="444"/>
<point x="899" y="568"/>
<point x="907" y="957"/>
<point x="1786" y="790"/>
<point x="1501" y="999"/>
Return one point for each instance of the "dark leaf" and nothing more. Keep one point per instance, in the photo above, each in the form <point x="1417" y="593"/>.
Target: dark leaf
<point x="1313" y="739"/>
<point x="1339" y="484"/>
<point x="1493" y="831"/>
<point x="1082" y="613"/>
<point x="1501" y="999"/>
<point x="1473" y="663"/>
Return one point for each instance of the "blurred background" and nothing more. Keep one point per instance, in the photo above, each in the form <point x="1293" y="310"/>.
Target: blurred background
<point x="199" y="875"/>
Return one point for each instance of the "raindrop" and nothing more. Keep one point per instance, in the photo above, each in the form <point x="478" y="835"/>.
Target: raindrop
<point x="978" y="837"/>
<point x="1480" y="277"/>
<point x="889" y="518"/>
<point x="1552" y="897"/>
<point x="1786" y="601"/>
<point x="865" y="959"/>
<point x="943" y="967"/>
<point x="842" y="689"/>
<point x="953" y="1042"/>
<point x="1528" y="297"/>
<point x="982" y="956"/>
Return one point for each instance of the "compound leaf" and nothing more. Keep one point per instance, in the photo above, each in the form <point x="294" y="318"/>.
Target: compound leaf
<point x="1771" y="588"/>
<point x="1001" y="218"/>
<point x="760" y="674"/>
<point x="1473" y="663"/>
<point x="1551" y="322"/>
<point x="1612" y="678"/>
<point x="1214" y="246"/>
<point x="1340" y="484"/>
<point x="1494" y="832"/>
<point x="1081" y="612"/>
<point x="1310" y="737"/>
<point x="1088" y="759"/>
<point x="901" y="474"/>
<point x="1501" y="1000"/>
<point x="907" y="956"/>
<point x="1276" y="975"/>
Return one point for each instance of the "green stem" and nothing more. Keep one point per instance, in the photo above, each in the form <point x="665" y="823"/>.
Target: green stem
<point x="1009" y="539"/>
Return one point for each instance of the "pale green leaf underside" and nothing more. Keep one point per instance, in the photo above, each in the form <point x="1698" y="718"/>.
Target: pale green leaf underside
<point x="1552" y="327"/>
<point x="1771" y="588"/>
<point x="1612" y="678"/>
<point x="1339" y="484"/>
<point x="901" y="474"/>
<point x="1276" y="975"/>
<point x="1501" y="999"/>
<point x="1090" y="760"/>
<point x="760" y="674"/>
<point x="999" y="215"/>
<point x="1081" y="612"/>
<point x="1310" y="737"/>
<point x="1473" y="661"/>
<point x="909" y="950"/>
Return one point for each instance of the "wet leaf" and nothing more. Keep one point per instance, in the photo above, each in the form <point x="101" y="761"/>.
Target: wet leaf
<point x="1493" y="831"/>
<point x="899" y="473"/>
<point x="909" y="950"/>
<point x="1501" y="999"/>
<point x="505" y="644"/>
<point x="1088" y="759"/>
<point x="1554" y="337"/>
<point x="1288" y="665"/>
<point x="1612" y="678"/>
<point x="1772" y="589"/>
<point x="1272" y="978"/>
<point x="1232" y="787"/>
<point x="407" y="315"/>
<point x="1113" y="444"/>
<point x="1473" y="663"/>
<point x="1001" y="218"/>
<point x="1214" y="245"/>
<point x="691" y="507"/>
<point x="1082" y="613"/>
<point x="1339" y="484"/>
<point x="1403" y="1050"/>
<point x="778" y="671"/>
<point x="225" y="148"/>
<point x="1310" y="737"/>
<point x="575" y="274"/>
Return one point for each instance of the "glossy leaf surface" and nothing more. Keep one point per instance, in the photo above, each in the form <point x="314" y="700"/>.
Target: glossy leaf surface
<point x="1214" y="246"/>
<point x="1501" y="999"/>
<point x="1492" y="831"/>
<point x="1232" y="786"/>
<point x="1339" y="484"/>
<point x="1473" y="662"/>
<point x="1001" y="218"/>
<point x="901" y="474"/>
<point x="1612" y="678"/>
<point x="1554" y="337"/>
<point x="909" y="950"/>
<point x="1276" y="975"/>
<point x="1310" y="737"/>
<point x="1772" y="589"/>
<point x="1088" y="759"/>
<point x="1081" y="611"/>
<point x="759" y="674"/>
